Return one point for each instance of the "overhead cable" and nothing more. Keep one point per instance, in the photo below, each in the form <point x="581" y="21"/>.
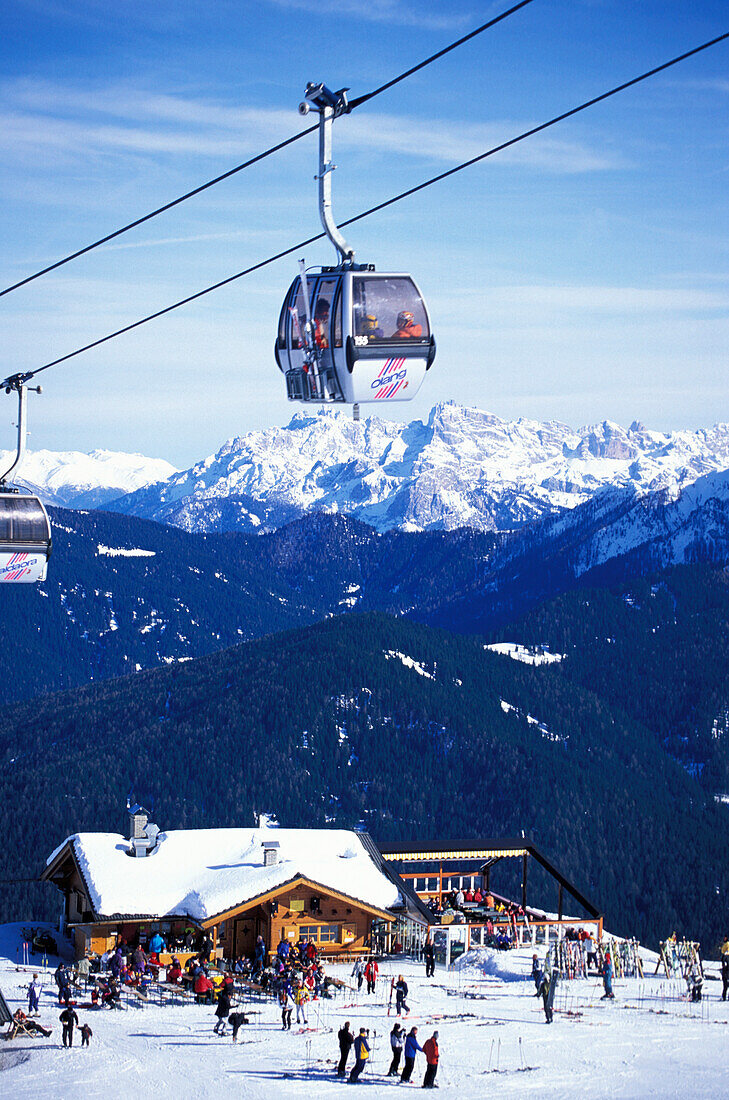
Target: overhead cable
<point x="388" y="202"/>
<point x="259" y="156"/>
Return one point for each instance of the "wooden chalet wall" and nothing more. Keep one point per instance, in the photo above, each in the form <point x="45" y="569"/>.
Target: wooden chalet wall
<point x="336" y="925"/>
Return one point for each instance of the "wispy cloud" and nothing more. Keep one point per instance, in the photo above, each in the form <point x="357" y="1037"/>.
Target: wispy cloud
<point x="534" y="301"/>
<point x="395" y="12"/>
<point x="119" y="120"/>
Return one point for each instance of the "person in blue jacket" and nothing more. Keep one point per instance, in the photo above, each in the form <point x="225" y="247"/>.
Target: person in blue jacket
<point x="412" y="1046"/>
<point x="283" y="950"/>
<point x="537" y="974"/>
<point x="157" y="943"/>
<point x="260" y="951"/>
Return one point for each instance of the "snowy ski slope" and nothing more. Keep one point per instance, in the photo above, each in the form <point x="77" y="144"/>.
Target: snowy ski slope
<point x="493" y="1041"/>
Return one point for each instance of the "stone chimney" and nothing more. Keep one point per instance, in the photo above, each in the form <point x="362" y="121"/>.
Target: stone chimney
<point x="138" y="818"/>
<point x="270" y="853"/>
<point x="143" y="834"/>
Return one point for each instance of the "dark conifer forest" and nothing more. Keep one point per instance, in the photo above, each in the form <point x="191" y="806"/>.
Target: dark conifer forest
<point x="219" y="676"/>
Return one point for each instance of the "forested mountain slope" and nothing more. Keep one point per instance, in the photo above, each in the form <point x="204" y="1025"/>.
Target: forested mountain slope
<point x="125" y="594"/>
<point x="368" y="718"/>
<point x="656" y="647"/>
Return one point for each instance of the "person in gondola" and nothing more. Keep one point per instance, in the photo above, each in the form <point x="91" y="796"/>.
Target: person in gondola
<point x="368" y="326"/>
<point x="321" y="323"/>
<point x="406" y="327"/>
<point x="322" y="342"/>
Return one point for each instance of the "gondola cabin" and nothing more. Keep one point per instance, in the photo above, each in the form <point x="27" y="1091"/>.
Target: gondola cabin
<point x="361" y="336"/>
<point x="25" y="539"/>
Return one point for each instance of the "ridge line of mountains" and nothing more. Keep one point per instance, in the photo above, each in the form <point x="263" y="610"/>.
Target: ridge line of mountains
<point x="462" y="467"/>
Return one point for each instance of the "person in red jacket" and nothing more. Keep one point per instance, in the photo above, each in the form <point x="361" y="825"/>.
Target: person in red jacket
<point x="406" y="327"/>
<point x="371" y="972"/>
<point x="430" y="1049"/>
<point x="174" y="972"/>
<point x="203" y="988"/>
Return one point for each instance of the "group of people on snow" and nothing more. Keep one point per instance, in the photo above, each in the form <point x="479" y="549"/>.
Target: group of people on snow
<point x="400" y="1043"/>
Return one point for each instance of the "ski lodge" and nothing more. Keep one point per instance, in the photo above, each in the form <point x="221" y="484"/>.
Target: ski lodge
<point x="325" y="885"/>
<point x="332" y="886"/>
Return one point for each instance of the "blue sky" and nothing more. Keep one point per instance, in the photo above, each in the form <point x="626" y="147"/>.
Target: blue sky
<point x="581" y="276"/>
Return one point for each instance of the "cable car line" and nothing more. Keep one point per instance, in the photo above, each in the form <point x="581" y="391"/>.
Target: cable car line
<point x="379" y="206"/>
<point x="159" y="210"/>
<point x="259" y="156"/>
<point x="441" y="53"/>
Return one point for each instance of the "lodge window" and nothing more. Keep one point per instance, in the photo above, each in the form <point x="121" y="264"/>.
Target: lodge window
<point x="320" y="933"/>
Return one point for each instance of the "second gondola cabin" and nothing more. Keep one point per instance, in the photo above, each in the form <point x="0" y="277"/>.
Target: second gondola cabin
<point x="361" y="336"/>
<point x="25" y="538"/>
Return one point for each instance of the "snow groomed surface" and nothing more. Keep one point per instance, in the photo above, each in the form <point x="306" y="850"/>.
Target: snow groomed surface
<point x="648" y="1042"/>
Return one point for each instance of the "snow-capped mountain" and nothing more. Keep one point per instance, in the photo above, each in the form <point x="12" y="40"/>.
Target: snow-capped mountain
<point x="463" y="467"/>
<point x="76" y="480"/>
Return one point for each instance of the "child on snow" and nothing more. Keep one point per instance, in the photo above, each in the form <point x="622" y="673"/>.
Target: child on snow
<point x="236" y="1020"/>
<point x="86" y="1034"/>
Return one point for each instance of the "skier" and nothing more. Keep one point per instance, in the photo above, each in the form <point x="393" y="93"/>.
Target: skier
<point x="63" y="981"/>
<point x="429" y="956"/>
<point x="537" y="974"/>
<point x="236" y="1020"/>
<point x="361" y="1054"/>
<point x="346" y="1038"/>
<point x="371" y="972"/>
<point x="397" y="1040"/>
<point x="222" y="1011"/>
<point x="607" y="978"/>
<point x="694" y="981"/>
<point x="725" y="968"/>
<point x="34" y="992"/>
<point x="548" y="988"/>
<point x="589" y="945"/>
<point x="68" y="1018"/>
<point x="286" y="1002"/>
<point x="301" y="996"/>
<point x="431" y="1054"/>
<point x="412" y="1046"/>
<point x="358" y="973"/>
<point x="401" y="992"/>
<point x="86" y="1034"/>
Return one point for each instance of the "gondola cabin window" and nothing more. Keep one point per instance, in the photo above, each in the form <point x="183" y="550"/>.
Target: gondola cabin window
<point x="388" y="309"/>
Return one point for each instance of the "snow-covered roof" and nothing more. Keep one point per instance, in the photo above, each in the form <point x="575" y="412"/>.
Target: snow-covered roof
<point x="203" y="872"/>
